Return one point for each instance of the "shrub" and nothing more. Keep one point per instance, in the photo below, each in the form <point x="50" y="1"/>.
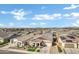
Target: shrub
<point x="31" y="49"/>
<point x="38" y="50"/>
<point x="5" y="41"/>
<point x="59" y="49"/>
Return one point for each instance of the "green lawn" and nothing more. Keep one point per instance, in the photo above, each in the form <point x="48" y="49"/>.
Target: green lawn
<point x="1" y="45"/>
<point x="32" y="49"/>
<point x="4" y="43"/>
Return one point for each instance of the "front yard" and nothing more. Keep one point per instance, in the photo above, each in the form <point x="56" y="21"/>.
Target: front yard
<point x="33" y="49"/>
<point x="27" y="48"/>
<point x="5" y="42"/>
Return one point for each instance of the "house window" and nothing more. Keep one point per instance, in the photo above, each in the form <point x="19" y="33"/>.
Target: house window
<point x="42" y="44"/>
<point x="33" y="44"/>
<point x="68" y="40"/>
<point x="25" y="43"/>
<point x="37" y="44"/>
<point x="69" y="45"/>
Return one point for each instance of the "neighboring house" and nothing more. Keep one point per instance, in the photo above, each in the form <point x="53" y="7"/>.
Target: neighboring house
<point x="20" y="40"/>
<point x="43" y="43"/>
<point x="31" y="39"/>
<point x="3" y="36"/>
<point x="40" y="42"/>
<point x="69" y="41"/>
<point x="6" y="35"/>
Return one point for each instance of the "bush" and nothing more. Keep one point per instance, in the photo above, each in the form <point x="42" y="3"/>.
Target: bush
<point x="59" y="49"/>
<point x="5" y="41"/>
<point x="1" y="43"/>
<point x="31" y="49"/>
<point x="38" y="50"/>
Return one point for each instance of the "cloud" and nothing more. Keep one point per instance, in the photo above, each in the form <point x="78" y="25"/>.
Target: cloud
<point x="73" y="15"/>
<point x="42" y="23"/>
<point x="24" y="26"/>
<point x="76" y="24"/>
<point x="11" y="24"/>
<point x="66" y="15"/>
<point x="1" y="25"/>
<point x="18" y="14"/>
<point x="46" y="16"/>
<point x="7" y="25"/>
<point x="71" y="7"/>
<point x="37" y="24"/>
<point x="33" y="24"/>
<point x="4" y="12"/>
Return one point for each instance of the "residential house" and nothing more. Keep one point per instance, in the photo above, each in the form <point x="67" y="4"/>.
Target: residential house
<point x="69" y="41"/>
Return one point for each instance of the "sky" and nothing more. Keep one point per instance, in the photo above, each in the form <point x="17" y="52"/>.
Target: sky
<point x="39" y="15"/>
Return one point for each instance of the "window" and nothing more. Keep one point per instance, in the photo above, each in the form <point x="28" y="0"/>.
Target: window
<point x="68" y="40"/>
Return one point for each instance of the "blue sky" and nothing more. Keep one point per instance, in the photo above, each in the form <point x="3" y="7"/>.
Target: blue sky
<point x="39" y="15"/>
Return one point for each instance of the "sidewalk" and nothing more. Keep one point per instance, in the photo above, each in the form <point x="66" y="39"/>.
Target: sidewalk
<point x="20" y="51"/>
<point x="6" y="48"/>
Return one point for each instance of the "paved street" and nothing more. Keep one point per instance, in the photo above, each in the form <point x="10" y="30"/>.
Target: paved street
<point x="9" y="52"/>
<point x="6" y="50"/>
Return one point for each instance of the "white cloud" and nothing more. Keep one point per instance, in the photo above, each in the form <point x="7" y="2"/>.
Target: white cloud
<point x="1" y="25"/>
<point x="71" y="7"/>
<point x="43" y="17"/>
<point x="66" y="15"/>
<point x="33" y="24"/>
<point x="4" y="12"/>
<point x="46" y="16"/>
<point x="11" y="24"/>
<point x="73" y="15"/>
<point x="37" y="24"/>
<point x="18" y="14"/>
<point x="21" y="26"/>
<point x="7" y="25"/>
<point x="42" y="23"/>
<point x="76" y="23"/>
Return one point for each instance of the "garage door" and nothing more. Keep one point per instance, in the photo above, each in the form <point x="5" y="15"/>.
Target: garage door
<point x="69" y="45"/>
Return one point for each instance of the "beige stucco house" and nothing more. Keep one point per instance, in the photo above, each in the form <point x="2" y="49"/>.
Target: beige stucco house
<point x="31" y="39"/>
<point x="69" y="42"/>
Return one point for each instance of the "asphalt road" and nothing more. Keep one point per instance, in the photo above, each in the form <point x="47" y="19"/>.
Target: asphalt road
<point x="9" y="52"/>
